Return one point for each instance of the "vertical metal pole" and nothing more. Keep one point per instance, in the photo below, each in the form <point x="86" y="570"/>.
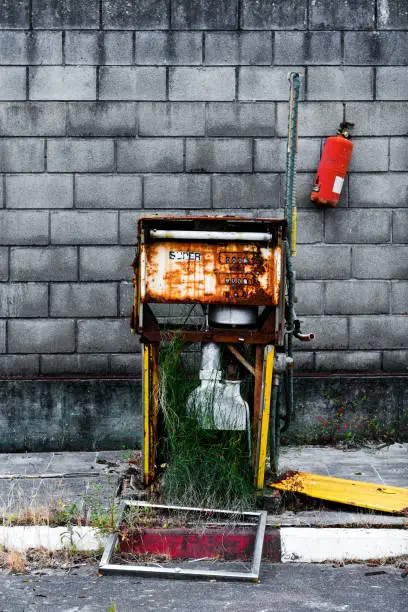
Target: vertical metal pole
<point x="264" y="417"/>
<point x="257" y="400"/>
<point x="154" y="406"/>
<point x="146" y="413"/>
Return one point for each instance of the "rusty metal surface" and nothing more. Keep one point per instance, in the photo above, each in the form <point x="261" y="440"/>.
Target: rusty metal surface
<point x="196" y="272"/>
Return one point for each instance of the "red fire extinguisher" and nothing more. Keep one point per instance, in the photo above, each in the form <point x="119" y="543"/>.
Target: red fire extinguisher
<point x="333" y="168"/>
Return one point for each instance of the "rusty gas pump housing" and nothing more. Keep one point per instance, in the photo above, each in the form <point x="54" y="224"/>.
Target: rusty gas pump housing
<point x="217" y="262"/>
<point x="225" y="261"/>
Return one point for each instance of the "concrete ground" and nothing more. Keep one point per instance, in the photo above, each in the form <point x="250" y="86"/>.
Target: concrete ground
<point x="34" y="480"/>
<point x="283" y="588"/>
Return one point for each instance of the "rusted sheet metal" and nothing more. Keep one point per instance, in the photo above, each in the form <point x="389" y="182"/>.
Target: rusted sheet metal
<point x="378" y="497"/>
<point x="223" y="336"/>
<point x="205" y="273"/>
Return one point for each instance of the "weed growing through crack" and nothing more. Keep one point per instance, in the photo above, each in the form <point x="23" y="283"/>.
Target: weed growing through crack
<point x="202" y="467"/>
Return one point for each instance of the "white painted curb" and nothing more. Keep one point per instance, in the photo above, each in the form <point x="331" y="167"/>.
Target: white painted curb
<point x="311" y="545"/>
<point x="21" y="538"/>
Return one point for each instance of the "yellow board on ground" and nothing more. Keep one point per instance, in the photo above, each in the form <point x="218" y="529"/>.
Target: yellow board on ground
<point x="378" y="497"/>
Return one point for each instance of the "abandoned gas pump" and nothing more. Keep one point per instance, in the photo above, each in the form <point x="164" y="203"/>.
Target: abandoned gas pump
<point x="239" y="270"/>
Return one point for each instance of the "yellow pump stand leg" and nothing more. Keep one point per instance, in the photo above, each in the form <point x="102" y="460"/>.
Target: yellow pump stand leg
<point x="146" y="413"/>
<point x="264" y="417"/>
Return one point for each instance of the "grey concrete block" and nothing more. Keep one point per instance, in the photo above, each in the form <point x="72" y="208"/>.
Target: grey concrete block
<point x="152" y="16"/>
<point x="387" y="262"/>
<point x="369" y="155"/>
<point x="358" y="226"/>
<point x="41" y="336"/>
<point x="271" y="15"/>
<point x="128" y="224"/>
<point x="14" y="14"/>
<point x="101" y="119"/>
<point x="172" y="48"/>
<point x="309" y="296"/>
<point x="378" y="118"/>
<point x="2" y="336"/>
<point x="126" y="365"/>
<point x="392" y="15"/>
<point x="202" y="84"/>
<point x="171" y="119"/>
<point x="395" y="361"/>
<point x="106" y="336"/>
<point x="83" y="300"/>
<point x="65" y="14"/>
<point x="218" y="155"/>
<point x="341" y="83"/>
<point x="350" y="361"/>
<point x="4" y="263"/>
<point x="246" y="191"/>
<point x="309" y="226"/>
<point x="32" y="119"/>
<point x="241" y="119"/>
<point x="106" y="263"/>
<point x="62" y="83"/>
<point x="84" y="227"/>
<point x="150" y="155"/>
<point x="378" y="190"/>
<point x="12" y="83"/>
<point x="342" y="16"/>
<point x="238" y="48"/>
<point x="58" y="365"/>
<point x="39" y="191"/>
<point x="399" y="154"/>
<point x="117" y="48"/>
<point x="19" y="365"/>
<point x="44" y="264"/>
<point x="379" y="332"/>
<point x="24" y="300"/>
<point x="132" y="83"/>
<point x="265" y="83"/>
<point x="98" y="48"/>
<point x="126" y="296"/>
<point x="399" y="298"/>
<point x="270" y="155"/>
<point x="30" y="48"/>
<point x="315" y="262"/>
<point x="118" y="14"/>
<point x="204" y="14"/>
<point x="392" y="83"/>
<point x="304" y="361"/>
<point x="107" y="191"/>
<point x="307" y="48"/>
<point x="139" y="14"/>
<point x="376" y="48"/>
<point x="21" y="155"/>
<point x="82" y="48"/>
<point x="330" y="333"/>
<point x="315" y="118"/>
<point x="67" y="155"/>
<point x="23" y="227"/>
<point x="172" y="191"/>
<point x="400" y="226"/>
<point x="357" y="297"/>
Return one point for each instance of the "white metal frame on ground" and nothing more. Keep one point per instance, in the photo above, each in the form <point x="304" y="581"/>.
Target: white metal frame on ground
<point x="106" y="567"/>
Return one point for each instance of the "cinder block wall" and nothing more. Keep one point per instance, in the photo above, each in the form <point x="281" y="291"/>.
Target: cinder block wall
<point x="115" y="108"/>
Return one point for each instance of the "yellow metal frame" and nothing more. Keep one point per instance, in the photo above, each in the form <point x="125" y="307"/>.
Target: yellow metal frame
<point x="146" y="413"/>
<point x="263" y="429"/>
